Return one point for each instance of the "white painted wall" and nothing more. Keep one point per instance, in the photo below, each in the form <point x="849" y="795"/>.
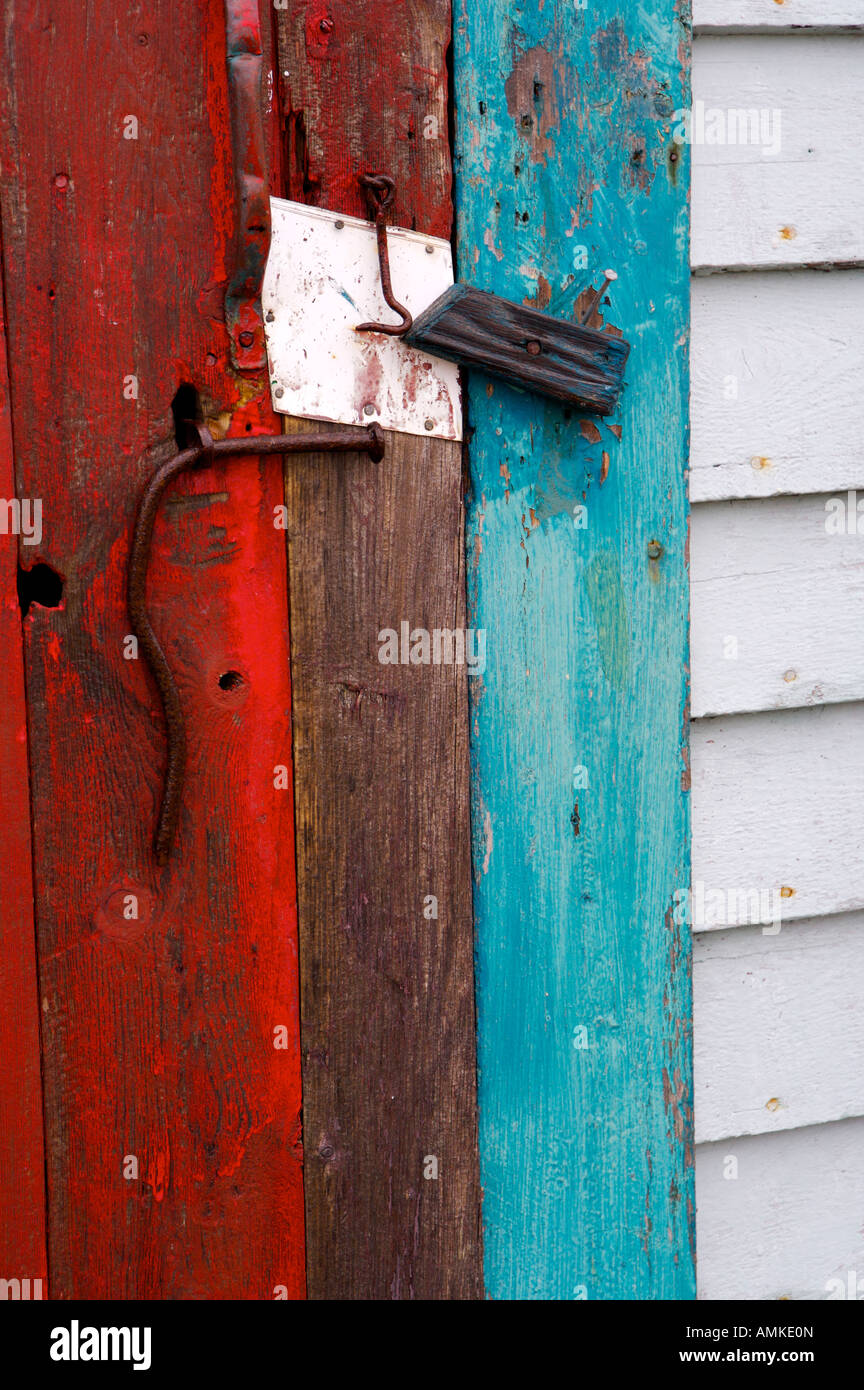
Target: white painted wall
<point x="777" y="742"/>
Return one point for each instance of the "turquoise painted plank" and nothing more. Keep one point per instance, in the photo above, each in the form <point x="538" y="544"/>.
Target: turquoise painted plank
<point x="565" y="164"/>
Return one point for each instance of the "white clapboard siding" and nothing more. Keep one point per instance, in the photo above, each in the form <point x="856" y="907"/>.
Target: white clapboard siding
<point x="778" y="807"/>
<point x="772" y="16"/>
<point x="777" y="604"/>
<point x="778" y="1032"/>
<point x="804" y="204"/>
<point x="791" y="1221"/>
<point x="776" y="361"/>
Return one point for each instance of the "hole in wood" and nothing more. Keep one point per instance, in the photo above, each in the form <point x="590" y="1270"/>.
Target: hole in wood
<point x="185" y="407"/>
<point x="231" y="680"/>
<point x="41" y="585"/>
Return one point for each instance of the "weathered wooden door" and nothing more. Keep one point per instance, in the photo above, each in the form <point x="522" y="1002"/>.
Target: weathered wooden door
<point x="254" y="1086"/>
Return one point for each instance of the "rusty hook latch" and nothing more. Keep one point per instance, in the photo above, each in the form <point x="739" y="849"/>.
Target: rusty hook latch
<point x="369" y="440"/>
<point x="380" y="189"/>
<point x="533" y="351"/>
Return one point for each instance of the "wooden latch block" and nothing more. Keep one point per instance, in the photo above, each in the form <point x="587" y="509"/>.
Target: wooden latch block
<point x="531" y="350"/>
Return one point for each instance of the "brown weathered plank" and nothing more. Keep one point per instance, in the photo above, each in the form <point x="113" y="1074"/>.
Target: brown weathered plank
<point x="380" y="750"/>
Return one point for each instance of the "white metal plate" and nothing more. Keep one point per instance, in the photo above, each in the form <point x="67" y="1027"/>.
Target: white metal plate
<point x="322" y="280"/>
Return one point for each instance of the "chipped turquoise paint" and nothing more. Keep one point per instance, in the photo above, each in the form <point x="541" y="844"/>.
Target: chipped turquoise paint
<point x="579" y="765"/>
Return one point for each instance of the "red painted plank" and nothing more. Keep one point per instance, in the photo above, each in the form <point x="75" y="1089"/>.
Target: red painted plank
<point x="365" y="86"/>
<point x="22" y="1155"/>
<point x="161" y="1032"/>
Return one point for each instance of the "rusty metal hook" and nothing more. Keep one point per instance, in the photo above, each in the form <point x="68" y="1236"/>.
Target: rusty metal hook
<point x="380" y="191"/>
<point x="368" y="439"/>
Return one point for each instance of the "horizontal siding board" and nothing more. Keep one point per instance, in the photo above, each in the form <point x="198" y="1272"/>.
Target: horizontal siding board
<point x="776" y="16"/>
<point x="776" y="364"/>
<point x="777" y="1039"/>
<point x="802" y="205"/>
<point x="777" y="409"/>
<point x="776" y="603"/>
<point x="776" y="806"/>
<point x="791" y="1220"/>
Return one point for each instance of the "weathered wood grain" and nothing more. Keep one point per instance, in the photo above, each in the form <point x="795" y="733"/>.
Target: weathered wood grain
<point x="160" y="989"/>
<point x="772" y="199"/>
<point x="776" y="408"/>
<point x="755" y="1241"/>
<point x="364" y="87"/>
<point x="381" y="750"/>
<point x="777" y="806"/>
<point x="775" y="16"/>
<point x="776" y="362"/>
<point x="531" y="351"/>
<point x="777" y="589"/>
<point x="566" y="164"/>
<point x="777" y="1040"/>
<point x="22" y="1151"/>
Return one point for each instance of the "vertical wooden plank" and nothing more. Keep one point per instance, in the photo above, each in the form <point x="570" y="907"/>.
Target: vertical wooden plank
<point x="172" y="1103"/>
<point x="381" y="750"/>
<point x="564" y="120"/>
<point x="22" y="1152"/>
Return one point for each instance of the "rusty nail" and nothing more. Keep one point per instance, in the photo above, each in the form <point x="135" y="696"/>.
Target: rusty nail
<point x="339" y="225"/>
<point x="655" y="550"/>
<point x="269" y="316"/>
<point x="597" y="295"/>
<point x="428" y="424"/>
<point x="326" y="26"/>
<point x="533" y="347"/>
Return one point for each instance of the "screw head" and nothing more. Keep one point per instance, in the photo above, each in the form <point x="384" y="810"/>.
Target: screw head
<point x="369" y="409"/>
<point x="428" y="424"/>
<point x="279" y="393"/>
<point x="269" y="316"/>
<point x="430" y="250"/>
<point x="326" y="26"/>
<point x="655" y="550"/>
<point x="339" y="225"/>
<point x="246" y="339"/>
